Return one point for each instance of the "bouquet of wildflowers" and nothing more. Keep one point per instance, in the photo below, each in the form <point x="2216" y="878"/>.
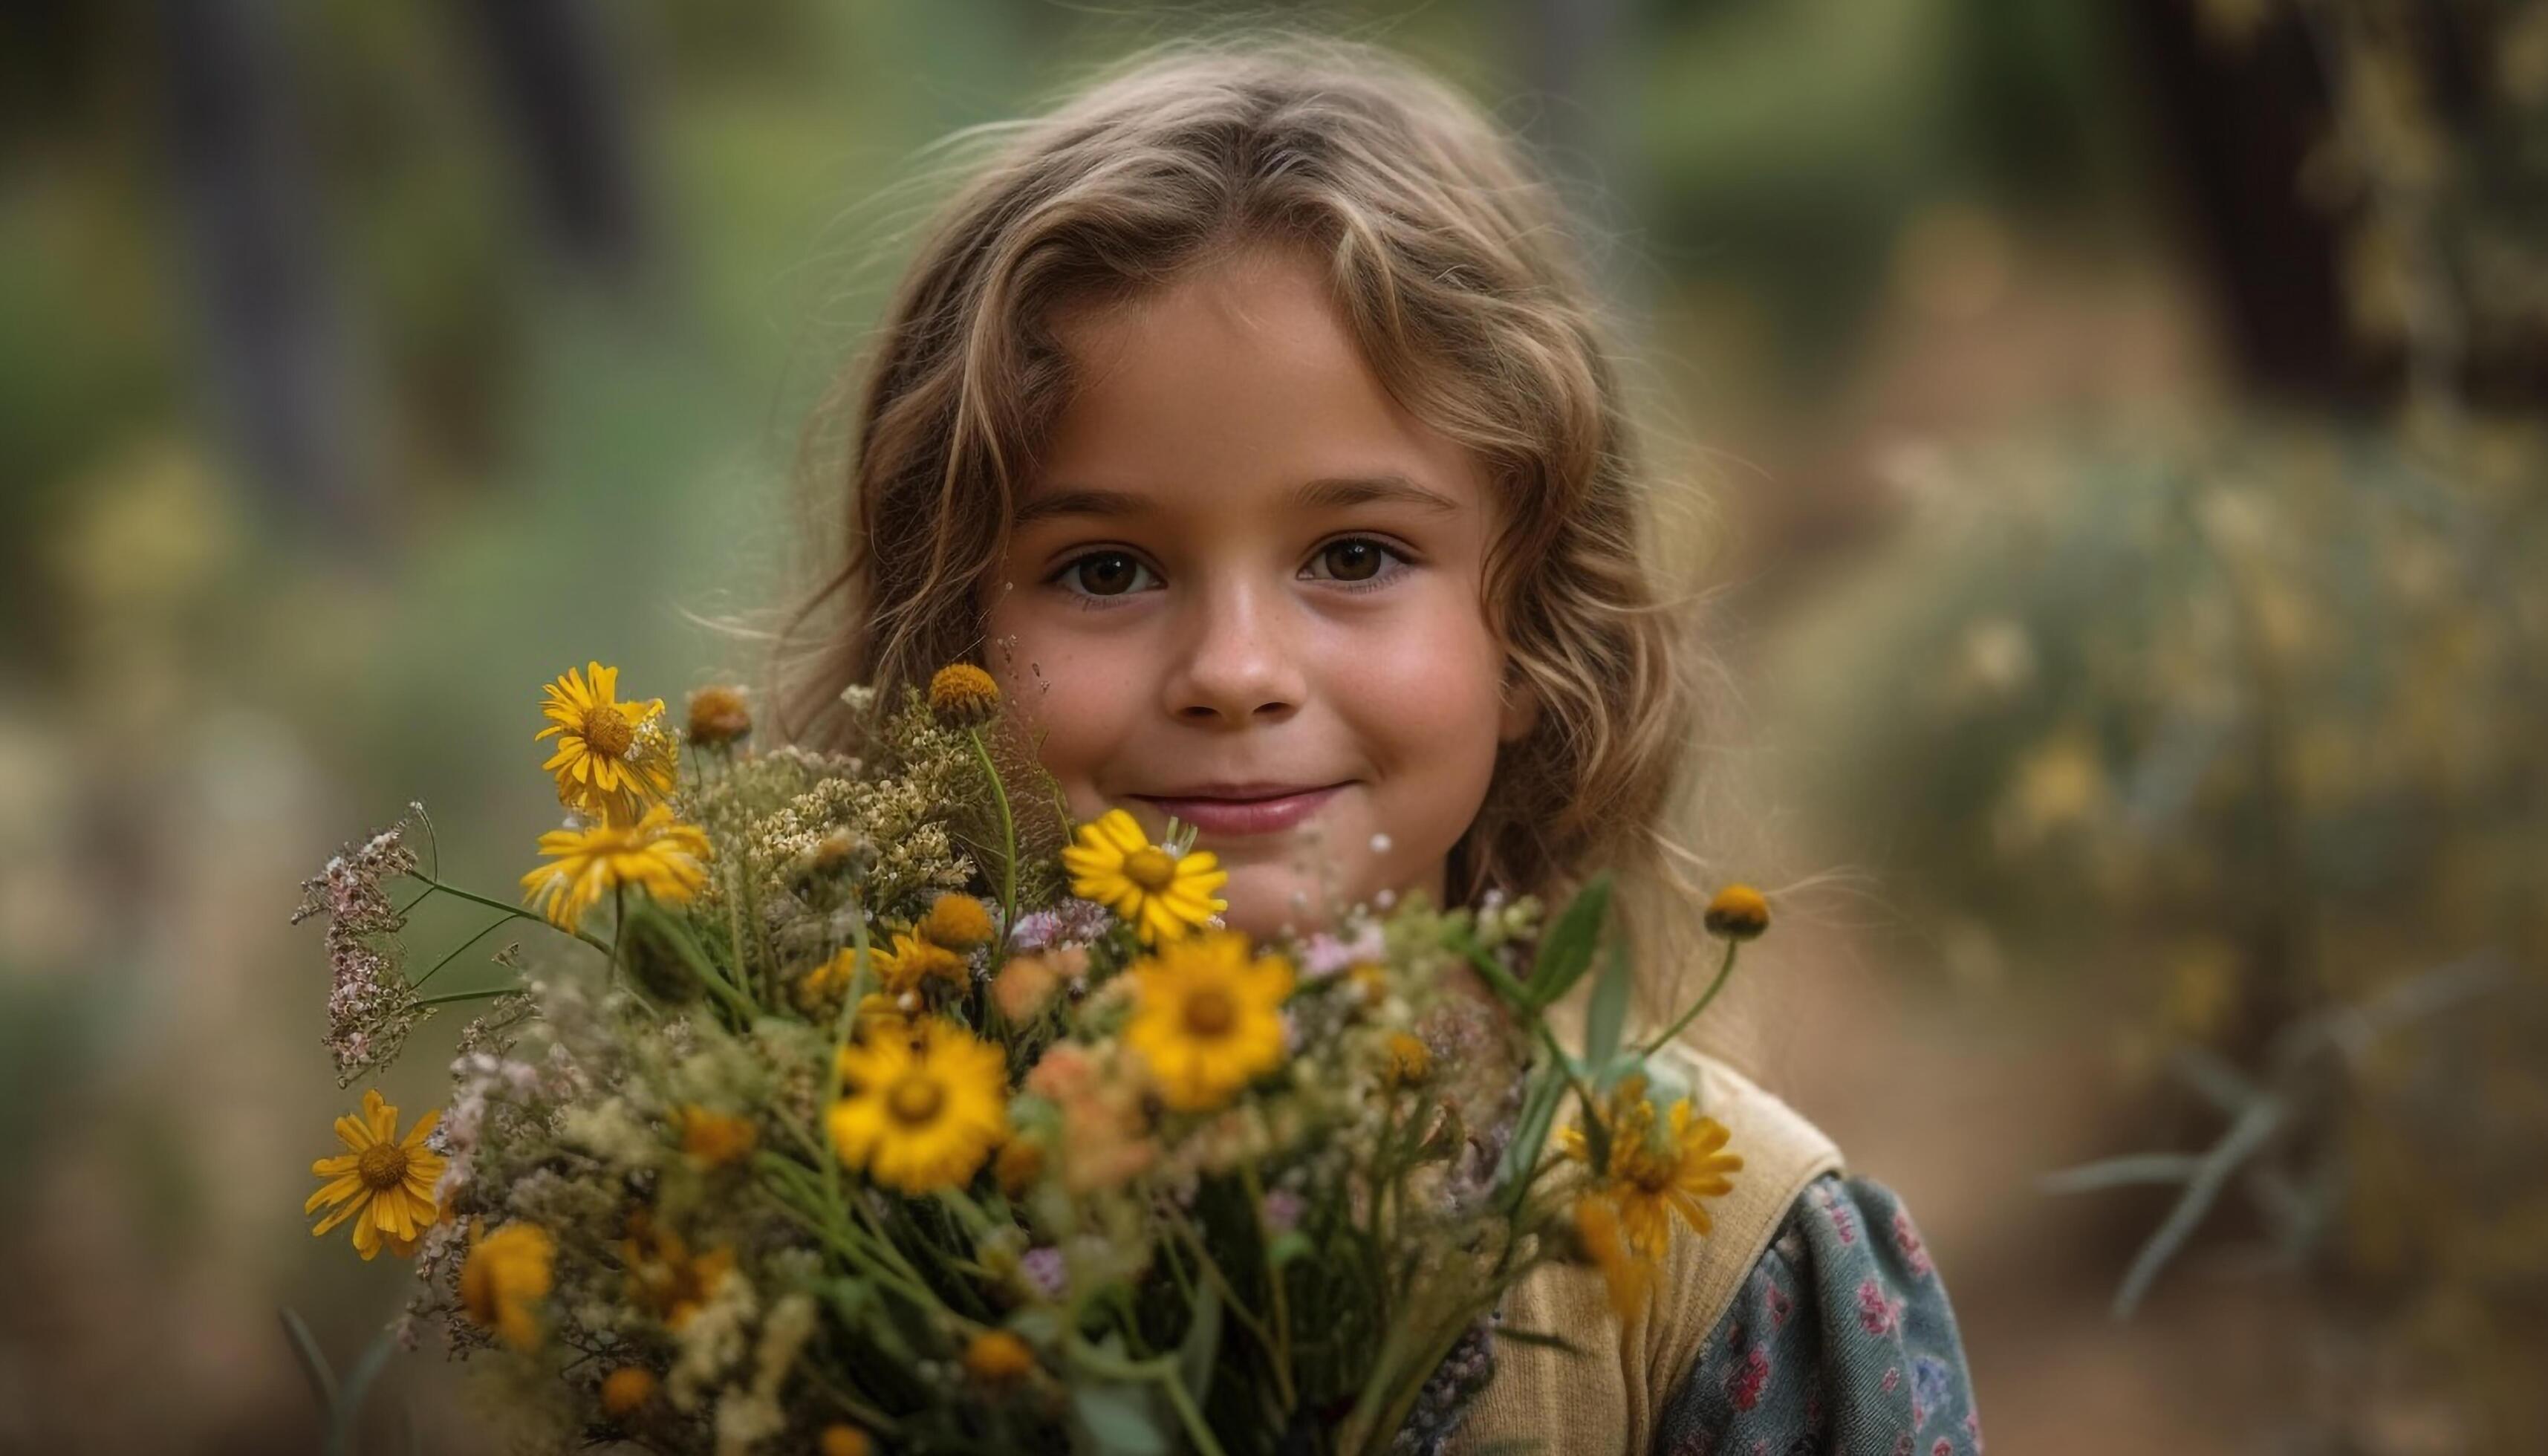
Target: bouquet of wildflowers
<point x="874" y="1103"/>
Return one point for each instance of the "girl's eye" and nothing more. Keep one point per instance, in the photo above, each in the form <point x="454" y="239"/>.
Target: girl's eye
<point x="1105" y="577"/>
<point x="1103" y="573"/>
<point x="1356" y="560"/>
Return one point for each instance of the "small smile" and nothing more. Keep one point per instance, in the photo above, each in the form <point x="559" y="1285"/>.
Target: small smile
<point x="1247" y="808"/>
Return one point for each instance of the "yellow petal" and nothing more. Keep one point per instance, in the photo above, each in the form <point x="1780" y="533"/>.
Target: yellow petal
<point x="1123" y="832"/>
<point x="336" y="1192"/>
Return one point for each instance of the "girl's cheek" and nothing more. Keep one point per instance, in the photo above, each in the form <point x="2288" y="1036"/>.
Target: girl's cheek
<point x="1428" y="676"/>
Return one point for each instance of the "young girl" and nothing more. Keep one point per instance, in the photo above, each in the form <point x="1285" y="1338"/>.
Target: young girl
<point x="1246" y="419"/>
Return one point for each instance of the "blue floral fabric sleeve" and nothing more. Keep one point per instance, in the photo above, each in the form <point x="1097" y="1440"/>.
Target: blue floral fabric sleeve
<point x="1841" y="1341"/>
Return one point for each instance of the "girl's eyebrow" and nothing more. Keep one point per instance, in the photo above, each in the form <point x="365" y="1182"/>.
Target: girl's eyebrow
<point x="1328" y="494"/>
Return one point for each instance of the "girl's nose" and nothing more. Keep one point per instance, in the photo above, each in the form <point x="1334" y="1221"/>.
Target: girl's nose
<point x="1235" y="660"/>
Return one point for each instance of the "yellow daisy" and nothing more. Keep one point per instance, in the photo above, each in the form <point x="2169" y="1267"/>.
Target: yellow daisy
<point x="827" y="980"/>
<point x="612" y="758"/>
<point x="657" y="855"/>
<point x="1649" y="1178"/>
<point x="922" y="1113"/>
<point x="1164" y="894"/>
<point x="384" y="1183"/>
<point x="1206" y="1018"/>
<point x="506" y="1275"/>
<point x="1625" y="1273"/>
<point x="914" y="960"/>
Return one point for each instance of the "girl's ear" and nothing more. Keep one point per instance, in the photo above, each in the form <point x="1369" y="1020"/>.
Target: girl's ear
<point x="1520" y="711"/>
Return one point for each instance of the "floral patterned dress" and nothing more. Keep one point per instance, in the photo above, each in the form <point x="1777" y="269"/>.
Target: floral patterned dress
<point x="1840" y="1341"/>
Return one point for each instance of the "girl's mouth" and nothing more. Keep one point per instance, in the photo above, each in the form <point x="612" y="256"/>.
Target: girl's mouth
<point x="1268" y="812"/>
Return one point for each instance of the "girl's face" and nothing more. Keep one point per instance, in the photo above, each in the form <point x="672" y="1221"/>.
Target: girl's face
<point x="1245" y="589"/>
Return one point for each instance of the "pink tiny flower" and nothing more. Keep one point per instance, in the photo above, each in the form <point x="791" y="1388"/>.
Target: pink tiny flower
<point x="1907" y="1238"/>
<point x="1745" y="1387"/>
<point x="1877" y="1314"/>
<point x="1844" y="1222"/>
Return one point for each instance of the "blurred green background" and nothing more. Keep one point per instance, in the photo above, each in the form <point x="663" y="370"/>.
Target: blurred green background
<point x="2121" y="428"/>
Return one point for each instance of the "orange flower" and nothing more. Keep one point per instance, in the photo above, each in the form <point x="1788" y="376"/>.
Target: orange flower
<point x="997" y="1356"/>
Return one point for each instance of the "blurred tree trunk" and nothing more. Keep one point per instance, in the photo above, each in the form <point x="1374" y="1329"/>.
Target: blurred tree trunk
<point x="2234" y="123"/>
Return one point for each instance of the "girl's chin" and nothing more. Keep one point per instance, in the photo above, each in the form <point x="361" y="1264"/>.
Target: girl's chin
<point x="1265" y="905"/>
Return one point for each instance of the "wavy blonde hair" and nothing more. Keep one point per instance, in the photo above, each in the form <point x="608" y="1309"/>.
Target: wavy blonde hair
<point x="1449" y="259"/>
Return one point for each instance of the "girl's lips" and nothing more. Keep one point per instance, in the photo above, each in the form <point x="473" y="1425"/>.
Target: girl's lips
<point x="1246" y="816"/>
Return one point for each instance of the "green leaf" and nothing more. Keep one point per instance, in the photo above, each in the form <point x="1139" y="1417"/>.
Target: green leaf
<point x="1530" y="1129"/>
<point x="358" y="1383"/>
<point x="1513" y="991"/>
<point x="1566" y="949"/>
<point x="1287" y="1247"/>
<point x="1607" y="1074"/>
<point x="1038" y="1325"/>
<point x="1201" y="1344"/>
<point x="1117" y="1420"/>
<point x="322" y="1380"/>
<point x="1608" y="1014"/>
<point x="863" y="1310"/>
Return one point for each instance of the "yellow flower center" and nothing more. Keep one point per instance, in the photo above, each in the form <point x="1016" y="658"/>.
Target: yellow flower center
<point x="1210" y="1012"/>
<point x="915" y="1100"/>
<point x="382" y="1166"/>
<point x="1151" y="868"/>
<point x="1648" y="1176"/>
<point x="608" y="731"/>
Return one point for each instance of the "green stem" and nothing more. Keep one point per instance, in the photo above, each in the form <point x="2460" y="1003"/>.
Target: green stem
<point x="866" y="1262"/>
<point x="517" y="913"/>
<point x="618" y="924"/>
<point x="1230" y="1299"/>
<point x="1726" y="968"/>
<point x="1008" y="847"/>
<point x="454" y="998"/>
<point x="734" y="934"/>
<point x="1273" y="1280"/>
<point x="858" y="1410"/>
<point x="455" y="953"/>
<point x="1196" y="1429"/>
<point x="432" y="847"/>
<point x="1595" y="1132"/>
<point x="1162" y="1370"/>
<point x="760" y="928"/>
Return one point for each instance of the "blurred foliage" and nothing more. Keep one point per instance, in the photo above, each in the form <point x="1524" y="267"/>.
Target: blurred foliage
<point x="2245" y="727"/>
<point x="2236" y="724"/>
